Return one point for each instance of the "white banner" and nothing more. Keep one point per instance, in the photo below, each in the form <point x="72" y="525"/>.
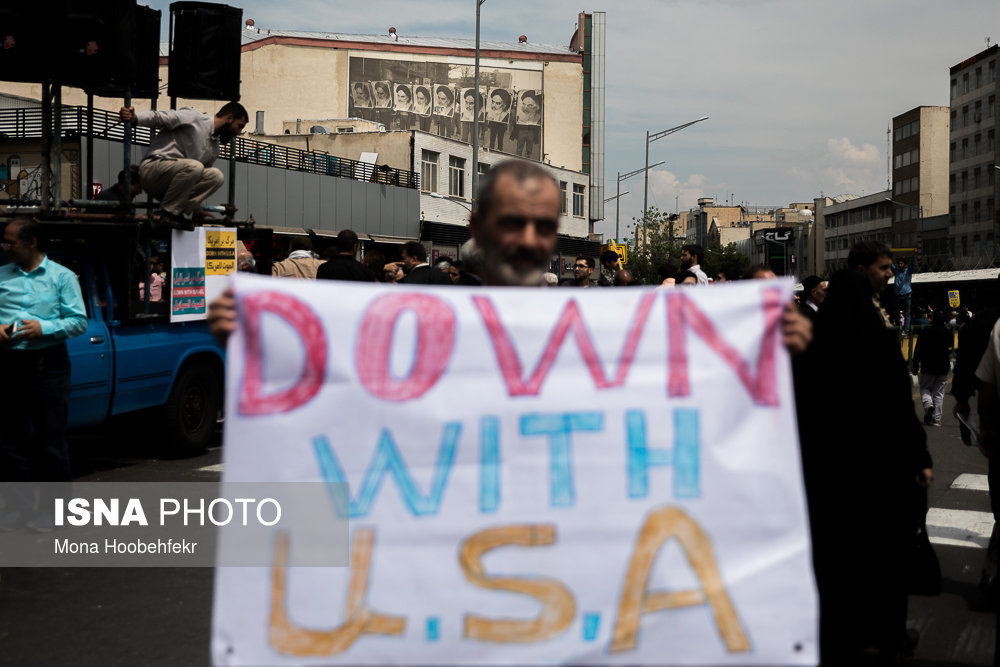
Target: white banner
<point x="200" y="262"/>
<point x="536" y="476"/>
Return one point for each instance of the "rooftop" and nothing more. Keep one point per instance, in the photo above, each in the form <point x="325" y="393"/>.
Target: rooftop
<point x="256" y="35"/>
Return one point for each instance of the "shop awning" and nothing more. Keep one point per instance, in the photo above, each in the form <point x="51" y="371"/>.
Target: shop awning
<point x="399" y="240"/>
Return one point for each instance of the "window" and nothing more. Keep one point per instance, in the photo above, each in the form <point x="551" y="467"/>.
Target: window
<point x="965" y="82"/>
<point x="954" y="88"/>
<point x="483" y="168"/>
<point x="899" y="161"/>
<point x="993" y="71"/>
<point x="429" y="171"/>
<point x="965" y="115"/>
<point x="952" y="152"/>
<point x="979" y="76"/>
<point x="562" y="187"/>
<point x="578" y="199"/>
<point x="456" y="177"/>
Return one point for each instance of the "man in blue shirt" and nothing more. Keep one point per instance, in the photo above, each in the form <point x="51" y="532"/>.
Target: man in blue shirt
<point x="40" y="307"/>
<point x="902" y="290"/>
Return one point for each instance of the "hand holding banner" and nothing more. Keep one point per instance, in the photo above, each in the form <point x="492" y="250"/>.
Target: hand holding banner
<point x="536" y="476"/>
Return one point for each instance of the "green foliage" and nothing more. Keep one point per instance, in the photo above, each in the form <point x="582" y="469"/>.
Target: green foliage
<point x="718" y="259"/>
<point x="661" y="246"/>
<point x="656" y="246"/>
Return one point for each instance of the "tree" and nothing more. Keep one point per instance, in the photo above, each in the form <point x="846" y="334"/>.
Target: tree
<point x="656" y="246"/>
<point x="718" y="259"/>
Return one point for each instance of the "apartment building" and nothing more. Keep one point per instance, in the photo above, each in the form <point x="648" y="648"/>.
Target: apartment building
<point x="973" y="159"/>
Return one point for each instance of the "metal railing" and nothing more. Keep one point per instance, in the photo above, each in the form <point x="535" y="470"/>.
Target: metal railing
<point x="27" y="124"/>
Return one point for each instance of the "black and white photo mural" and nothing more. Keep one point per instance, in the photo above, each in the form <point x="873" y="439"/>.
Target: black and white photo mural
<point x="383" y="94"/>
<point x="403" y="97"/>
<point x="440" y="98"/>
<point x="422" y="100"/>
<point x="361" y="95"/>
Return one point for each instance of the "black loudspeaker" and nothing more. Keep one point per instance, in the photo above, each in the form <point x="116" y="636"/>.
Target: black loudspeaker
<point x="141" y="62"/>
<point x="25" y="31"/>
<point x="95" y="44"/>
<point x="205" y="51"/>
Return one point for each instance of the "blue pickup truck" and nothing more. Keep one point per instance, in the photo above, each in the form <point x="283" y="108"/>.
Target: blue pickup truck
<point x="131" y="357"/>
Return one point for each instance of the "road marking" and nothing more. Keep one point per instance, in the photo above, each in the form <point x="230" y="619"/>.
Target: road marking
<point x="971" y="482"/>
<point x="960" y="528"/>
<point x="215" y="468"/>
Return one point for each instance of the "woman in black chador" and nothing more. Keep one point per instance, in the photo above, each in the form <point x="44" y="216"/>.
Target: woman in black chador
<point x="864" y="452"/>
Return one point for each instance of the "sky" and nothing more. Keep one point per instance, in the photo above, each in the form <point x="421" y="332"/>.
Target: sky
<point x="799" y="93"/>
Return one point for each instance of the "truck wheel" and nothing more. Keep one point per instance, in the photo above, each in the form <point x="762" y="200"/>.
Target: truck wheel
<point x="192" y="410"/>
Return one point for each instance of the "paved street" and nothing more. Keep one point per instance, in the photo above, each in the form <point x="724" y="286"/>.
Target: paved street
<point x="111" y="617"/>
<point x="956" y="628"/>
<point x="129" y="617"/>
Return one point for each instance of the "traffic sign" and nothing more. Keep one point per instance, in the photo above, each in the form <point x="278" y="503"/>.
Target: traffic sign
<point x="621" y="249"/>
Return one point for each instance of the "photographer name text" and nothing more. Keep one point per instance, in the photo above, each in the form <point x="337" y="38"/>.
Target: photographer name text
<point x="121" y="547"/>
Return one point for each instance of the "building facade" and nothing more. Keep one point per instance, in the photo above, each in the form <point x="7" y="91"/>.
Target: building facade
<point x="920" y="184"/>
<point x="537" y="101"/>
<point x="974" y="188"/>
<point x="846" y="219"/>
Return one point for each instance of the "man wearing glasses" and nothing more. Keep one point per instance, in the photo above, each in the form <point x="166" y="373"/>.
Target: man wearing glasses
<point x="40" y="307"/>
<point x="583" y="267"/>
<point x="177" y="168"/>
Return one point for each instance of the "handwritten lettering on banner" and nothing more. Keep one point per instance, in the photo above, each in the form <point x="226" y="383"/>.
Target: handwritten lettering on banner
<point x="536" y="476"/>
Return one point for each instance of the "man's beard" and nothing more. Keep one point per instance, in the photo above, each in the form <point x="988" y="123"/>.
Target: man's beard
<point x="225" y="134"/>
<point x="519" y="267"/>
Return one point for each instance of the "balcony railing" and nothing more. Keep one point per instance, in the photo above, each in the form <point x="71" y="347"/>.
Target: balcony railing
<point x="27" y="124"/>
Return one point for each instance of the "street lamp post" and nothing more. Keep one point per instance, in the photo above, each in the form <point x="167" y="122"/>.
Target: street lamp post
<point x="475" y="119"/>
<point x="615" y="199"/>
<point x="622" y="177"/>
<point x="438" y="195"/>
<point x="650" y="138"/>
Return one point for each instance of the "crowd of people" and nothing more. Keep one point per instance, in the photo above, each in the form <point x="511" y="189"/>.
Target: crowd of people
<point x="838" y="336"/>
<point x="843" y="352"/>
